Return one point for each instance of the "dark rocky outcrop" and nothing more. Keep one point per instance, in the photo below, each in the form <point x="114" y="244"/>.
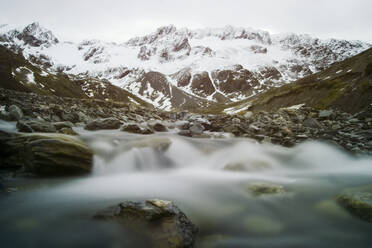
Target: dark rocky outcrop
<point x="196" y="129"/>
<point x="202" y="85"/>
<point x="235" y="81"/>
<point x="161" y="222"/>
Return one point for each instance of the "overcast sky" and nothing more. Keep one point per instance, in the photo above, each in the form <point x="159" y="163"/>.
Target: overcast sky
<point x="119" y="20"/>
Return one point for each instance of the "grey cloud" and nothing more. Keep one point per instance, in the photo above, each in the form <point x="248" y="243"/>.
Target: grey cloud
<point x="120" y="20"/>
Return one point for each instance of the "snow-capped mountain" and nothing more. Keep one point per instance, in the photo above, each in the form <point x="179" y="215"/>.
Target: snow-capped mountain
<point x="182" y="68"/>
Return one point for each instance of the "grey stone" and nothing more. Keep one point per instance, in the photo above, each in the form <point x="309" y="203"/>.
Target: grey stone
<point x="196" y="129"/>
<point x="325" y="113"/>
<point x="83" y="117"/>
<point x="236" y="121"/>
<point x="157" y="126"/>
<point x="248" y="115"/>
<point x="15" y="113"/>
<point x="103" y="124"/>
<point x="161" y="222"/>
<point x="135" y="128"/>
<point x="312" y="123"/>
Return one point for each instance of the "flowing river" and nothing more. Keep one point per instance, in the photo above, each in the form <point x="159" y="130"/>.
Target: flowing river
<point x="211" y="180"/>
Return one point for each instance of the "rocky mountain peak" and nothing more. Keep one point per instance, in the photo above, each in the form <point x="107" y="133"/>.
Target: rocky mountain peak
<point x="33" y="35"/>
<point x="36" y="35"/>
<point x="165" y="30"/>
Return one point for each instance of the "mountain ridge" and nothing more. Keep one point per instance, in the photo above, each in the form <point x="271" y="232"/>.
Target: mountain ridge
<point x="201" y="67"/>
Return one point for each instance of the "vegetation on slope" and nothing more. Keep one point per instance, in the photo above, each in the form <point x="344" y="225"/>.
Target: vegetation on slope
<point x="346" y="86"/>
<point x="16" y="73"/>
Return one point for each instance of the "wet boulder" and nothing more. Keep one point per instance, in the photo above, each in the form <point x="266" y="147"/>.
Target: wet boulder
<point x="261" y="188"/>
<point x="63" y="124"/>
<point x="357" y="201"/>
<point x="135" y="128"/>
<point x="161" y="222"/>
<point x="103" y="124"/>
<point x="186" y="133"/>
<point x="157" y="126"/>
<point x="15" y="113"/>
<point x="45" y="154"/>
<point x="196" y="129"/>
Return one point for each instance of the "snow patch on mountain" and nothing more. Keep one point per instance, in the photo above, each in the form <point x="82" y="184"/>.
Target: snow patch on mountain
<point x="238" y="62"/>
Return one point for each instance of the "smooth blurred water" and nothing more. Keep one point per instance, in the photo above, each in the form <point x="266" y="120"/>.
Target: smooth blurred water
<point x="192" y="173"/>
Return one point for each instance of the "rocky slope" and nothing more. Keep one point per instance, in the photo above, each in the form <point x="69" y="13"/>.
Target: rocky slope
<point x="346" y="86"/>
<point x="16" y="73"/>
<point x="182" y="68"/>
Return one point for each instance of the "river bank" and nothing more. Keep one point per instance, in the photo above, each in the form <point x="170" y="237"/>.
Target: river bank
<point x="298" y="177"/>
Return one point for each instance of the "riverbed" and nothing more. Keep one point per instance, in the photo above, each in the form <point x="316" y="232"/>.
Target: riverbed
<point x="211" y="180"/>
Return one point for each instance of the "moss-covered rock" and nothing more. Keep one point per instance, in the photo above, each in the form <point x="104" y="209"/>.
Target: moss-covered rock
<point x="45" y="154"/>
<point x="358" y="201"/>
<point x="331" y="209"/>
<point x="259" y="189"/>
<point x="159" y="221"/>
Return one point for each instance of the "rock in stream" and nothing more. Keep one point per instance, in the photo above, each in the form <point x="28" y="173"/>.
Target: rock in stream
<point x="159" y="221"/>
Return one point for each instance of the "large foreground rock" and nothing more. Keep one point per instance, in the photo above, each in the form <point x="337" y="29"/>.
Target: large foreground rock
<point x="45" y="154"/>
<point x="161" y="222"/>
<point x="101" y="124"/>
<point x="358" y="201"/>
